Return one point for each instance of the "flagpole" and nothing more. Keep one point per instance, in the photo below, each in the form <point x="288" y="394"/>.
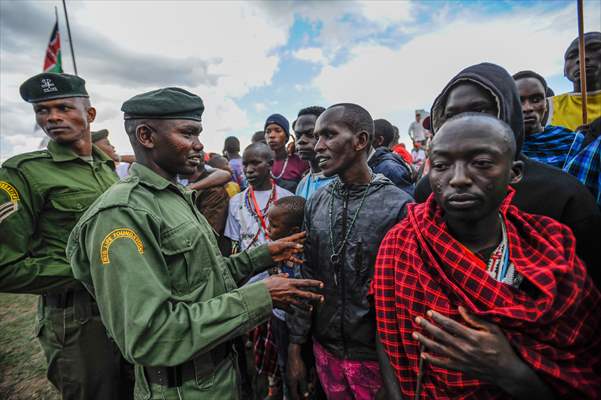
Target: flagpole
<point x="70" y="39"/>
<point x="581" y="60"/>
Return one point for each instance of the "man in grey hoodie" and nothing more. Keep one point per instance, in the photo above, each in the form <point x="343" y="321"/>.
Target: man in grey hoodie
<point x="345" y="223"/>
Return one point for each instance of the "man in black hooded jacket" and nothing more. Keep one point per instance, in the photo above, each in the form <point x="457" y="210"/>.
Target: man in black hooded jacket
<point x="543" y="190"/>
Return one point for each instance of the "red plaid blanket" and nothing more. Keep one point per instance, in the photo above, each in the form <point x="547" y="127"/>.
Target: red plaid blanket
<point x="265" y="350"/>
<point x="555" y="327"/>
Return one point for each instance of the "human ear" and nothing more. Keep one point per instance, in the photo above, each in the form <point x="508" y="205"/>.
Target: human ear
<point x="144" y="136"/>
<point x="517" y="172"/>
<point x="294" y="229"/>
<point x="362" y="141"/>
<point x="91" y="114"/>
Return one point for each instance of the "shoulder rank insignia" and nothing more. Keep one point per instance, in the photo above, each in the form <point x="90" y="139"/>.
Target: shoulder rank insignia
<point x="10" y="207"/>
<point x="121" y="233"/>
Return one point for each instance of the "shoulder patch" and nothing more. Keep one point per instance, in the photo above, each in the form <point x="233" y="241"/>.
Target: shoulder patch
<point x="12" y="205"/>
<point x="10" y="190"/>
<point x="121" y="233"/>
<point x="15" y="161"/>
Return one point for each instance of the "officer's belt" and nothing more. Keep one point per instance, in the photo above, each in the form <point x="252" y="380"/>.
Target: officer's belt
<point x="67" y="299"/>
<point x="195" y="369"/>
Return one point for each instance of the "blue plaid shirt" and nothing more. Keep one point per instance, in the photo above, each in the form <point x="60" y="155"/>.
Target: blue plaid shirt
<point x="585" y="164"/>
<point x="551" y="146"/>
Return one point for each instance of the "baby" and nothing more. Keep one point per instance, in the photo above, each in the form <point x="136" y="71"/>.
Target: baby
<point x="285" y="218"/>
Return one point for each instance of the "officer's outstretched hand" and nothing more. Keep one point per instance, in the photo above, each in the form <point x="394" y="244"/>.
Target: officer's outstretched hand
<point x="285" y="292"/>
<point x="284" y="249"/>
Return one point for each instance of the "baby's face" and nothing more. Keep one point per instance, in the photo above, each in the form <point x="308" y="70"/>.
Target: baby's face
<point x="277" y="228"/>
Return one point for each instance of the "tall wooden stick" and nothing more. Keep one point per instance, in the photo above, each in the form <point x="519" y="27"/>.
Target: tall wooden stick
<point x="70" y="39"/>
<point x="581" y="55"/>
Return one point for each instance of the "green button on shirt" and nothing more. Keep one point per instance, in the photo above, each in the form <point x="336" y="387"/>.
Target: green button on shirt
<point x="42" y="196"/>
<point x="165" y="293"/>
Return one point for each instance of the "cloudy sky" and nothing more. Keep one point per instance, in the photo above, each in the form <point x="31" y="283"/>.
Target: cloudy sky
<point x="249" y="59"/>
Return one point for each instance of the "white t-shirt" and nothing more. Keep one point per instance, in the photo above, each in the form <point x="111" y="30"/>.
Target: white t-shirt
<point x="241" y="225"/>
<point x="417" y="131"/>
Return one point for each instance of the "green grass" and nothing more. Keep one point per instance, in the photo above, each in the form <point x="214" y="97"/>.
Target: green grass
<point x="22" y="362"/>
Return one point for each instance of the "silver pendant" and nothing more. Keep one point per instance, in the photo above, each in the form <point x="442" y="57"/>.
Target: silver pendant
<point x="335" y="259"/>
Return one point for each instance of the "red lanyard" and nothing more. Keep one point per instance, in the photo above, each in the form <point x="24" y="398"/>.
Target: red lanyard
<point x="272" y="197"/>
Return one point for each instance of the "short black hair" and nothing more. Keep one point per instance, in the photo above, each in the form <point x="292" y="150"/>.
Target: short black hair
<point x="260" y="148"/>
<point x="258" y="137"/>
<point x="294" y="207"/>
<point x="357" y="119"/>
<point x="313" y="110"/>
<point x="231" y="144"/>
<point x="531" y="74"/>
<point x="131" y="125"/>
<point x="384" y="129"/>
<point x="575" y="42"/>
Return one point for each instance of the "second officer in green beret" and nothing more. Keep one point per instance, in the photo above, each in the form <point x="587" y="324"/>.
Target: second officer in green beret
<point x="167" y="296"/>
<point x="42" y="195"/>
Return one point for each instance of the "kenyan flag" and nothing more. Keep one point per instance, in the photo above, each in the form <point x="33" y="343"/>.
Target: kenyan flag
<point x="53" y="61"/>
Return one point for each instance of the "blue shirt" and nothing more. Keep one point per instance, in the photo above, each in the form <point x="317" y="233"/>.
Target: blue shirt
<point x="310" y="183"/>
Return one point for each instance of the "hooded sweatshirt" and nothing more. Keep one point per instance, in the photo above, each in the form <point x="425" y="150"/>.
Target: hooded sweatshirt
<point x="344" y="324"/>
<point x="543" y="190"/>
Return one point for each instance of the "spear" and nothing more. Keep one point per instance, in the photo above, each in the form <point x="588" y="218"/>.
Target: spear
<point x="582" y="61"/>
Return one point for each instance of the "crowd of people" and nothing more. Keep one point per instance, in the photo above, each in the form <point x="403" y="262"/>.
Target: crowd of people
<point x="324" y="260"/>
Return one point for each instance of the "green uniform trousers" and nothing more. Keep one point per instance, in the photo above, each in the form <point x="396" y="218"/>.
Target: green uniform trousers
<point x="222" y="384"/>
<point x="83" y="362"/>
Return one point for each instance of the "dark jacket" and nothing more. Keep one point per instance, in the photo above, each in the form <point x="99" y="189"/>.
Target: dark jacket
<point x="391" y="165"/>
<point x="543" y="190"/>
<point x="345" y="323"/>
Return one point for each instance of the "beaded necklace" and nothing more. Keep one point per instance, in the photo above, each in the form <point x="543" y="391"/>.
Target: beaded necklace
<point x="281" y="172"/>
<point x="256" y="212"/>
<point x="335" y="257"/>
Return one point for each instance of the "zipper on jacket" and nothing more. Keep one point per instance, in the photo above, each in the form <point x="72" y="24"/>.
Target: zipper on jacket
<point x="341" y="266"/>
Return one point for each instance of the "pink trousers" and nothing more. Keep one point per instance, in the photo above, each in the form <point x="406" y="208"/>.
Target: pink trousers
<point x="346" y="379"/>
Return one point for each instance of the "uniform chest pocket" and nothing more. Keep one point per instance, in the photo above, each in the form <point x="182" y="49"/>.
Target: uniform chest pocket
<point x="181" y="247"/>
<point x="68" y="207"/>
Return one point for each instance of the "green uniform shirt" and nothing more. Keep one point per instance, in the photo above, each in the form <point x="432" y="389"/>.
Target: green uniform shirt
<point x="42" y="195"/>
<point x="151" y="260"/>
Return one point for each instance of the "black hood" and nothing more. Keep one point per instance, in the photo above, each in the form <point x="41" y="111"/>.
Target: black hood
<point x="497" y="81"/>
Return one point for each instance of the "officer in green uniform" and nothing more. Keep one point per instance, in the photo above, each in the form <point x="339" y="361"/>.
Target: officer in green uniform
<point x="169" y="299"/>
<point x="42" y="195"/>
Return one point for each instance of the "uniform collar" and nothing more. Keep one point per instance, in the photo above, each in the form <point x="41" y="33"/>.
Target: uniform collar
<point x="150" y="178"/>
<point x="62" y="153"/>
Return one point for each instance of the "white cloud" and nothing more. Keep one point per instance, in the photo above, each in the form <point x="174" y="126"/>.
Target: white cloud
<point x="393" y="82"/>
<point x="386" y="12"/>
<point x="228" y="48"/>
<point x="260" y="107"/>
<point x="311" y="54"/>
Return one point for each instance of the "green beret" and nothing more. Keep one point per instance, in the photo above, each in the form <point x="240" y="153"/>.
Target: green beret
<point x="50" y="85"/>
<point x="167" y="103"/>
<point x="101" y="134"/>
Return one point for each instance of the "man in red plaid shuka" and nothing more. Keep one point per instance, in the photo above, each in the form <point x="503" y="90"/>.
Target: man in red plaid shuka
<point x="476" y="299"/>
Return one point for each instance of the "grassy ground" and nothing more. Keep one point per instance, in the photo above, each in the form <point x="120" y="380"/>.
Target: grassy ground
<point x="22" y="363"/>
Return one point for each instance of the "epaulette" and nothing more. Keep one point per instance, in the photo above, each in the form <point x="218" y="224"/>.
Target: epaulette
<point x="17" y="160"/>
<point x="119" y="193"/>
